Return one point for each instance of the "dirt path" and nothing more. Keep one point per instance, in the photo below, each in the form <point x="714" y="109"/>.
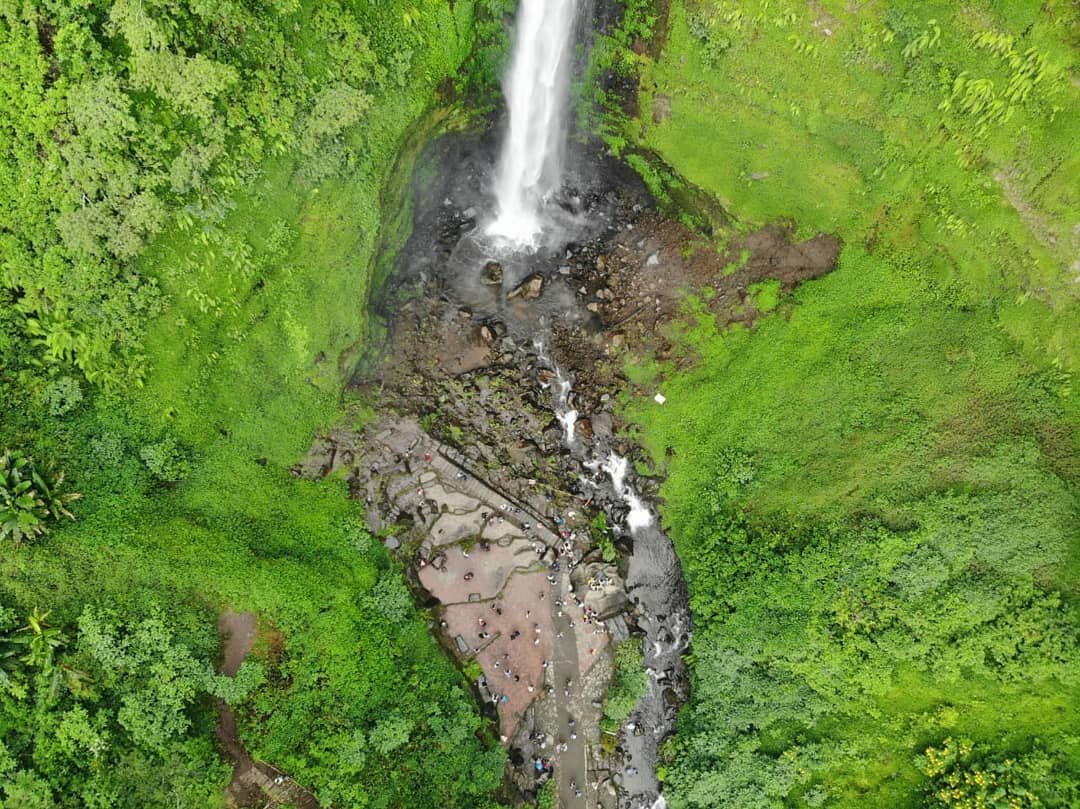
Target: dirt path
<point x="253" y="783"/>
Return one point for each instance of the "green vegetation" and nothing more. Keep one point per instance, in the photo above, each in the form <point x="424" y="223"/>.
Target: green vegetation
<point x="109" y="715"/>
<point x="628" y="684"/>
<point x="601" y="534"/>
<point x="874" y="490"/>
<point x="191" y="201"/>
<point x="29" y="499"/>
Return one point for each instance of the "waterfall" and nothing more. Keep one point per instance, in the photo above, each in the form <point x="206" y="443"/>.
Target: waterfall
<point x="639" y="516"/>
<point x="530" y="165"/>
<point x="567" y="417"/>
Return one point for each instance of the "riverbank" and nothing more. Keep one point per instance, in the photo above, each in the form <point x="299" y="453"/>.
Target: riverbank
<point x="849" y="478"/>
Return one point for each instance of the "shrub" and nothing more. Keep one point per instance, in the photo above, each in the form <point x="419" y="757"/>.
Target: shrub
<point x="61" y="396"/>
<point x="29" y="498"/>
<point x="166" y="460"/>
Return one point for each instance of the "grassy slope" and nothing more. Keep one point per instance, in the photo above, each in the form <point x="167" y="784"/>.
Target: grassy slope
<point x="922" y="387"/>
<point x="245" y="367"/>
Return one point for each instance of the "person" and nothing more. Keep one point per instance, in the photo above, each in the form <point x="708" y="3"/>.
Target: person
<point x="469" y="576"/>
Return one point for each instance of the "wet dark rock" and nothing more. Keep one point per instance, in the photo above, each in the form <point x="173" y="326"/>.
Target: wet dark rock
<point x="602" y="424"/>
<point x="492" y="274"/>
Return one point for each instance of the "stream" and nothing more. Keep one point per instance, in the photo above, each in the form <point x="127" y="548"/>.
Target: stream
<point x="503" y="446"/>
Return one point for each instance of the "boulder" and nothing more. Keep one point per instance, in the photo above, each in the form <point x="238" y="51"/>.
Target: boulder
<point x="529" y="289"/>
<point x="492" y="274"/>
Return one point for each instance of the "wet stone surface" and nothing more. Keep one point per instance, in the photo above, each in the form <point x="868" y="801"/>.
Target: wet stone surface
<point x="497" y="449"/>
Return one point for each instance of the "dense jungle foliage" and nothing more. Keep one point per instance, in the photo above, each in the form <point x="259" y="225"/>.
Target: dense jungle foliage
<point x="874" y="488"/>
<point x="191" y="197"/>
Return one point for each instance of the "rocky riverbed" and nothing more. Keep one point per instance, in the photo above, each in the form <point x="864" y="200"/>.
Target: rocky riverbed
<point x="499" y="444"/>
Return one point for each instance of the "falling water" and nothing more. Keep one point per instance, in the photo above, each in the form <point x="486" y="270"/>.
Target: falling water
<point x="639" y="516"/>
<point x="530" y="165"/>
<point x="567" y="417"/>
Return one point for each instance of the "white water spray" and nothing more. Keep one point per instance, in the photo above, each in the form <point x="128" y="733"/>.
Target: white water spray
<point x="639" y="516"/>
<point x="566" y="416"/>
<point x="530" y="165"/>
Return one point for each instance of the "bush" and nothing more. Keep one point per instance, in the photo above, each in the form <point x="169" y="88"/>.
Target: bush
<point x="166" y="461"/>
<point x="61" y="396"/>
<point x="29" y="499"/>
<point x="628" y="684"/>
